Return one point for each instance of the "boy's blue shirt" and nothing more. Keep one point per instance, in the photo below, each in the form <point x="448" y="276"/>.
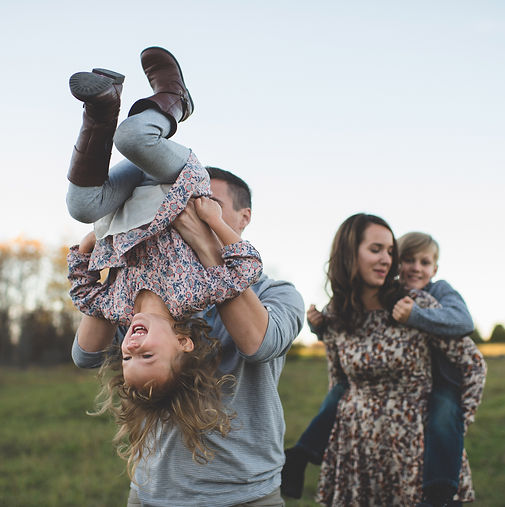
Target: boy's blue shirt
<point x="452" y="320"/>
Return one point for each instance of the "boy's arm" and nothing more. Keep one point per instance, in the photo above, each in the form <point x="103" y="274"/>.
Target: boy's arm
<point x="452" y="320"/>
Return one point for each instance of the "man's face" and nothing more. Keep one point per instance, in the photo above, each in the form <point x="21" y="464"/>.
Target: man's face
<point x="237" y="220"/>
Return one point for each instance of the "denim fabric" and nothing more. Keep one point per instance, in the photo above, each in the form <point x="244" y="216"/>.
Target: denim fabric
<point x="443" y="435"/>
<point x="314" y="439"/>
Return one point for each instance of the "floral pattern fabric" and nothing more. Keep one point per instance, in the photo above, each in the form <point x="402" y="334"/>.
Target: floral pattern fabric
<point x="375" y="452"/>
<point x="156" y="258"/>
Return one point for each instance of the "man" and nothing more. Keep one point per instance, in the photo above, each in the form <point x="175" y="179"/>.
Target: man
<point x="256" y="330"/>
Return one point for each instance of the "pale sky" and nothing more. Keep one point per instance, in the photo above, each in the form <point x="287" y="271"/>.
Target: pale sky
<point x="326" y="108"/>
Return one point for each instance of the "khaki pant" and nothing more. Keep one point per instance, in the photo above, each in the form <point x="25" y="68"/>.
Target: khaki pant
<point x="272" y="500"/>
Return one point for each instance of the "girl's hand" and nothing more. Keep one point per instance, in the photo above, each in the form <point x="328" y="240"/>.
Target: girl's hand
<point x="402" y="309"/>
<point x="208" y="210"/>
<point x="314" y="317"/>
<point x="87" y="243"/>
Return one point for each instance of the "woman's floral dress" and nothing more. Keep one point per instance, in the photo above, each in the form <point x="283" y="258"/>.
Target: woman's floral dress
<point x="375" y="452"/>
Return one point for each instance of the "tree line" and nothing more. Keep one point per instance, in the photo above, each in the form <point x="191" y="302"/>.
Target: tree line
<point x="37" y="318"/>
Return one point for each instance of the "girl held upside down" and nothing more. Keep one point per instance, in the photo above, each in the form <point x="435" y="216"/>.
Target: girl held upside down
<point x="167" y="373"/>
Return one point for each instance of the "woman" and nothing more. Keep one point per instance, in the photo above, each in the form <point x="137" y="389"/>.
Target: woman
<point x="375" y="452"/>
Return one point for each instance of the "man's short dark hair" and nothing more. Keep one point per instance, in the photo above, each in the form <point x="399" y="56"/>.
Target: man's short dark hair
<point x="240" y="191"/>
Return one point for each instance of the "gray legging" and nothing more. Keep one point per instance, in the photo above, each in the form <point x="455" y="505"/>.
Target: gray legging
<point x="151" y="159"/>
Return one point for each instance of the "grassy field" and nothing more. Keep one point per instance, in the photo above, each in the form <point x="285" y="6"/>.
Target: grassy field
<point x="52" y="454"/>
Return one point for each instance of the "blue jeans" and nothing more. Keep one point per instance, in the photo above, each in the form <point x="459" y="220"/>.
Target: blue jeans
<point x="443" y="436"/>
<point x="315" y="438"/>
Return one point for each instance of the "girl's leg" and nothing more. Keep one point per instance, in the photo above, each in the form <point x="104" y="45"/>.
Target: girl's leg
<point x="89" y="204"/>
<point x="100" y="91"/>
<point x="142" y="139"/>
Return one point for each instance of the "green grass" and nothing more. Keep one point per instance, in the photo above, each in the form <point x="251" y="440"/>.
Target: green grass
<point x="52" y="454"/>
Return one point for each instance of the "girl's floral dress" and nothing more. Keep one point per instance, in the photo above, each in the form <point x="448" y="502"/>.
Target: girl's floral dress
<point x="156" y="258"/>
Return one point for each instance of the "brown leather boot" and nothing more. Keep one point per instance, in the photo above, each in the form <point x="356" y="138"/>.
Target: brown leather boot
<point x="100" y="91"/>
<point x="171" y="97"/>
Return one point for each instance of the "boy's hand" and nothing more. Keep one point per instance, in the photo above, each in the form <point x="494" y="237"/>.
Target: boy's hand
<point x="87" y="243"/>
<point x="314" y="317"/>
<point x="402" y="309"/>
<point x="208" y="210"/>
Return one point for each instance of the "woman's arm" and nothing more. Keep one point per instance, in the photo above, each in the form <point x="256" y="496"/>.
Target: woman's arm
<point x="315" y="319"/>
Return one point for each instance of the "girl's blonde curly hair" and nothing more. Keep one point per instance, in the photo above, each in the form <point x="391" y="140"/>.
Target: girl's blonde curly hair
<point x="191" y="399"/>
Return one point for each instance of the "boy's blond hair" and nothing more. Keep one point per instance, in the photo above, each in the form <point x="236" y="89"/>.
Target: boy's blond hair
<point x="413" y="242"/>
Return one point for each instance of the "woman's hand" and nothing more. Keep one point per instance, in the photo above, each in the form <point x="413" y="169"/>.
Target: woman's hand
<point x="314" y="317"/>
<point x="208" y="210"/>
<point x="402" y="309"/>
<point x="87" y="243"/>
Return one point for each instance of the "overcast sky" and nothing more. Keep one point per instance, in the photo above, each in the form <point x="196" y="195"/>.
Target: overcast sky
<point x="326" y="108"/>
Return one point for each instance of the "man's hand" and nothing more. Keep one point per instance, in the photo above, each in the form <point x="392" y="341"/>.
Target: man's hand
<point x="87" y="243"/>
<point x="402" y="309"/>
<point x="198" y="235"/>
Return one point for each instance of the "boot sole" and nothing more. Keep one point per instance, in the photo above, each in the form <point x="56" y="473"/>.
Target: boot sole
<point x="178" y="66"/>
<point x="86" y="85"/>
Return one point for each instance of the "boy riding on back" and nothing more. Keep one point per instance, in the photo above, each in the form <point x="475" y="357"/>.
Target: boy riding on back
<point x="444" y="429"/>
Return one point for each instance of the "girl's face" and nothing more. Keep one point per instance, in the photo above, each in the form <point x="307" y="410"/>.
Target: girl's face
<point x="416" y="270"/>
<point x="375" y="255"/>
<point x="150" y="349"/>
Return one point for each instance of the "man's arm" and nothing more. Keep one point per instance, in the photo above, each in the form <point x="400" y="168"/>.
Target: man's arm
<point x="451" y="320"/>
<point x="94" y="334"/>
<point x="245" y="317"/>
<point x="93" y="338"/>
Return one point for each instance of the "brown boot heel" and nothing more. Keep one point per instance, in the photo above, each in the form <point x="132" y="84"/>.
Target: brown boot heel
<point x="86" y="86"/>
<point x="115" y="76"/>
